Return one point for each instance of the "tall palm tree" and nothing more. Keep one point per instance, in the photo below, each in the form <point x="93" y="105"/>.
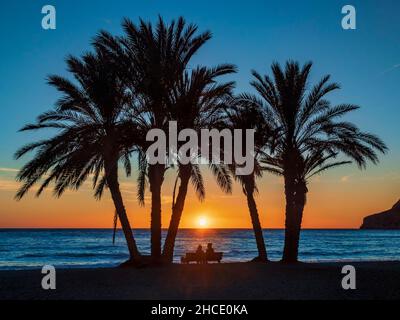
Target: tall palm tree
<point x="244" y="115"/>
<point x="197" y="103"/>
<point x="311" y="138"/>
<point x="152" y="60"/>
<point x="91" y="136"/>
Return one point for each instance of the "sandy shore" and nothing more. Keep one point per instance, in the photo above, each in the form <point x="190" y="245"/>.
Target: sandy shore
<point x="375" y="280"/>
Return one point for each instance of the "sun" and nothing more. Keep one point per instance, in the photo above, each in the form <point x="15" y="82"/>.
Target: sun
<point x="202" y="222"/>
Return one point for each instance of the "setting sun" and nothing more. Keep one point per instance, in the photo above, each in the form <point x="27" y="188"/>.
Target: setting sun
<point x="202" y="222"/>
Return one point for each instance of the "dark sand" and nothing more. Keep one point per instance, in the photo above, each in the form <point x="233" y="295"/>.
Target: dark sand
<point x="375" y="280"/>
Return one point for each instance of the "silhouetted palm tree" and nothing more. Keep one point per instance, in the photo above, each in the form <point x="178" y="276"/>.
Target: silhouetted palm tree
<point x="244" y="115"/>
<point x="152" y="60"/>
<point x="92" y="128"/>
<point x="197" y="103"/>
<point x="311" y="137"/>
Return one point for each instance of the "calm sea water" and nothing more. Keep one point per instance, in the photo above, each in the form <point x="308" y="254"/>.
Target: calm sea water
<point x="31" y="249"/>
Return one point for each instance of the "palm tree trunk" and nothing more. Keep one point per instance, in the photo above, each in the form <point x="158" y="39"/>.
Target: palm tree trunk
<point x="292" y="235"/>
<point x="177" y="211"/>
<point x="295" y="202"/>
<point x="111" y="171"/>
<point x="156" y="178"/>
<point x="255" y="220"/>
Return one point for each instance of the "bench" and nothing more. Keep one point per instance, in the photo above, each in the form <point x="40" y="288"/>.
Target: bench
<point x="202" y="258"/>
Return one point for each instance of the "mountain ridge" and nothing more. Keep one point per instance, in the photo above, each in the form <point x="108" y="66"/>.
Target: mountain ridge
<point x="386" y="220"/>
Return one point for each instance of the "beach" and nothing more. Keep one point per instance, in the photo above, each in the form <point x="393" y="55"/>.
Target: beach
<point x="227" y="281"/>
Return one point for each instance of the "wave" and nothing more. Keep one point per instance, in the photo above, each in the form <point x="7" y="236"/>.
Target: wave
<point x="33" y="255"/>
<point x="71" y="255"/>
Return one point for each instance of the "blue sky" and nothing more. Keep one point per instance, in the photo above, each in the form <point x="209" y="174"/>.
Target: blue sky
<point x="250" y="34"/>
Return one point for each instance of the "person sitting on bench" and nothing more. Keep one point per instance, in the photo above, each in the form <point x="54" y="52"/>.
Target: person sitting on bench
<point x="200" y="254"/>
<point x="210" y="250"/>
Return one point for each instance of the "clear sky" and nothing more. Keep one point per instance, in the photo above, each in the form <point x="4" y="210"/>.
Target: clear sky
<point x="251" y="34"/>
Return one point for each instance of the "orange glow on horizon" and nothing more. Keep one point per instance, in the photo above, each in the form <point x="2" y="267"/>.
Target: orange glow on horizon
<point x="334" y="201"/>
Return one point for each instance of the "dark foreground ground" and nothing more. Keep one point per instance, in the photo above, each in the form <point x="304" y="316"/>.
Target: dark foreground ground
<point x="375" y="280"/>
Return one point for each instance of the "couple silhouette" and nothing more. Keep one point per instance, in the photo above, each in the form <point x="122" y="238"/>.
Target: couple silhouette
<point x="201" y="256"/>
<point x="209" y="250"/>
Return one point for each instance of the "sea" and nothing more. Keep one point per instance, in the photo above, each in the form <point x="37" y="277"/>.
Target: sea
<point x="94" y="248"/>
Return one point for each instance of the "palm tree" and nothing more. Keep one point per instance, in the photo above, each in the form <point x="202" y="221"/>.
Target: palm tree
<point x="197" y="103"/>
<point x="91" y="136"/>
<point x="311" y="138"/>
<point x="244" y="115"/>
<point x="152" y="60"/>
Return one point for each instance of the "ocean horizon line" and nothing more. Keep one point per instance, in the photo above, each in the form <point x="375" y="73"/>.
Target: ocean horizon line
<point x="163" y="229"/>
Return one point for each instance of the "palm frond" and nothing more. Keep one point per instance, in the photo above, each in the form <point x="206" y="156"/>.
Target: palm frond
<point x="196" y="179"/>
